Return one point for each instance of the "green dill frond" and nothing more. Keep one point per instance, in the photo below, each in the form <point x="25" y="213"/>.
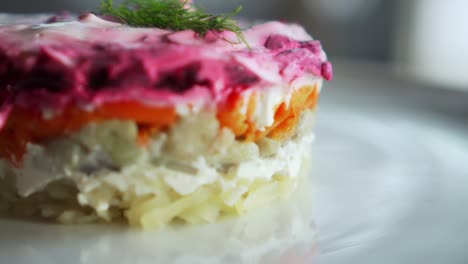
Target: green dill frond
<point x="172" y="15"/>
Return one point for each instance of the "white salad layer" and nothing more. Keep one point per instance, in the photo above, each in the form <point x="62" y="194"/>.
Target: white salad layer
<point x="193" y="153"/>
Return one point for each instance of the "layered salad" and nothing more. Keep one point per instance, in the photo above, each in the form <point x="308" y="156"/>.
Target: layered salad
<point x="102" y="120"/>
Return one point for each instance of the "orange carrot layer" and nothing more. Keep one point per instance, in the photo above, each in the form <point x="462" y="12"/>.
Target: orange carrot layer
<point x="286" y="115"/>
<point x="27" y="126"/>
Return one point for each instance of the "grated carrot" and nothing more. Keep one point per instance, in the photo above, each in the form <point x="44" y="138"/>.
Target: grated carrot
<point x="25" y="125"/>
<point x="286" y="115"/>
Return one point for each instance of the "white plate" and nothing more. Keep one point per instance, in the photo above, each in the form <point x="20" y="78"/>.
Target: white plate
<point x="391" y="179"/>
<point x="390" y="185"/>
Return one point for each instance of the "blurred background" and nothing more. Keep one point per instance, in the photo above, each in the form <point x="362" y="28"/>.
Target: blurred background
<point x="422" y="39"/>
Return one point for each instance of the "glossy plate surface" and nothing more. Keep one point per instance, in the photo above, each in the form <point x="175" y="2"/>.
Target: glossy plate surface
<point x="391" y="178"/>
<point x="389" y="185"/>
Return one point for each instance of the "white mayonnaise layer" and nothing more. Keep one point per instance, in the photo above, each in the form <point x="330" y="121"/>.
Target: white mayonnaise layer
<point x="221" y="161"/>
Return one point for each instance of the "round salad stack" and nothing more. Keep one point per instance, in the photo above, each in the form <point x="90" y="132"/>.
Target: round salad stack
<point x="104" y="121"/>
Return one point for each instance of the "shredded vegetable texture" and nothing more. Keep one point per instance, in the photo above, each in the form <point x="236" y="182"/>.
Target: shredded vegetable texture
<point x="205" y="205"/>
<point x="140" y="192"/>
<point x="171" y="14"/>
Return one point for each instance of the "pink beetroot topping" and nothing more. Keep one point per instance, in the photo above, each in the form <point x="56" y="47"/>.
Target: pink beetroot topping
<point x="91" y="61"/>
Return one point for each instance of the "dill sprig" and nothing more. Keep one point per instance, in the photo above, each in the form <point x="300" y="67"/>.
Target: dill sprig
<point x="172" y="15"/>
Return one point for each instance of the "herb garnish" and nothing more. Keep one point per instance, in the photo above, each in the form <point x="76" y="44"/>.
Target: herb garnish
<point x="170" y="14"/>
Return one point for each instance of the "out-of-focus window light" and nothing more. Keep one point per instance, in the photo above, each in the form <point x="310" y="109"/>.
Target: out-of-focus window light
<point x="432" y="43"/>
